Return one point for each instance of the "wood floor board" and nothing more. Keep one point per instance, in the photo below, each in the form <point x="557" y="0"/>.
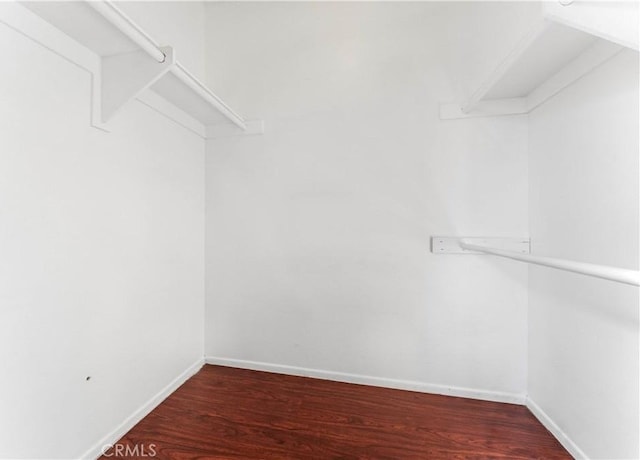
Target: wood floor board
<point x="227" y="413"/>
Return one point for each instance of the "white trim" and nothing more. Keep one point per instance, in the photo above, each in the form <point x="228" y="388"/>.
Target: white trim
<point x="422" y="387"/>
<point x="96" y="451"/>
<point x="555" y="430"/>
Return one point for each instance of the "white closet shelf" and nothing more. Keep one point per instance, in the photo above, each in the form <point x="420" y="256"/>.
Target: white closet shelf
<point x="566" y="43"/>
<point x="132" y="65"/>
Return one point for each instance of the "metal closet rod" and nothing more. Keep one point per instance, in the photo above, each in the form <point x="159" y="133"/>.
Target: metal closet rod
<point x="620" y="275"/>
<point x="125" y="24"/>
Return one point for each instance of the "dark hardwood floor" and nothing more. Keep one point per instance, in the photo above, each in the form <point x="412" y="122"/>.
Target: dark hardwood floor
<point x="226" y="413"/>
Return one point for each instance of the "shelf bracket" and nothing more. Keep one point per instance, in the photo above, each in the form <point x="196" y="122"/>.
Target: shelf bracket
<point x="453" y="244"/>
<point x="122" y="78"/>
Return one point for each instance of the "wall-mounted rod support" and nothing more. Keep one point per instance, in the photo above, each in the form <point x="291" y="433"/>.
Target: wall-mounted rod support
<point x="129" y="28"/>
<point x="193" y="83"/>
<point x="620" y="275"/>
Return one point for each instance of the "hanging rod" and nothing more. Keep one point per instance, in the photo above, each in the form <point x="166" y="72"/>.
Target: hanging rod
<point x="125" y="24"/>
<point x="620" y="275"/>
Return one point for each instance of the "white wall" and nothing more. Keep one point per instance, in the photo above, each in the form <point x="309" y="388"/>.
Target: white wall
<point x="102" y="267"/>
<point x="318" y="231"/>
<point x="583" y="332"/>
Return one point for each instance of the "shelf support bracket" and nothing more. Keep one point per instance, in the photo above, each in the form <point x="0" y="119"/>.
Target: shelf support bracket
<point x="123" y="77"/>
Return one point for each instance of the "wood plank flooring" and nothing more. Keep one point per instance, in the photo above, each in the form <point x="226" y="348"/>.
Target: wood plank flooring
<point x="227" y="413"/>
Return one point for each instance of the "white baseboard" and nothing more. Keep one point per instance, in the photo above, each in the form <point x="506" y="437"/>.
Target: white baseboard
<point x="555" y="430"/>
<point x="143" y="411"/>
<point x="422" y="387"/>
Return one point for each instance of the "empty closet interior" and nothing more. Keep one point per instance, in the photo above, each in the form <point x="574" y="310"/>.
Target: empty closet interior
<point x="335" y="190"/>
